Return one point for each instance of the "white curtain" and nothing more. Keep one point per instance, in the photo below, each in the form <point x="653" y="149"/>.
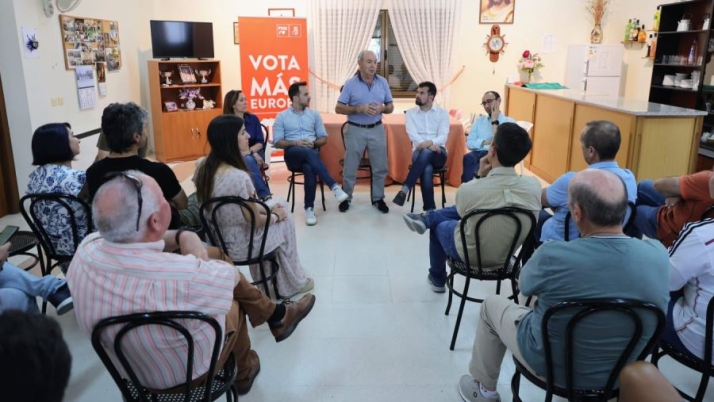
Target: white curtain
<point x="425" y="31"/>
<point x="339" y="30"/>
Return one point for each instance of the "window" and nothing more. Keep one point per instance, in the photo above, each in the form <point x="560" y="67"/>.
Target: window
<point x="390" y="64"/>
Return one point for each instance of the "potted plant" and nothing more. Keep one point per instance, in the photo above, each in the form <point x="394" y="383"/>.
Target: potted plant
<point x="529" y="63"/>
<point x="189" y="94"/>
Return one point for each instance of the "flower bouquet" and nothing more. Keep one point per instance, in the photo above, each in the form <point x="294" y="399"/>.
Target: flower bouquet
<point x="189" y="94"/>
<point x="530" y="63"/>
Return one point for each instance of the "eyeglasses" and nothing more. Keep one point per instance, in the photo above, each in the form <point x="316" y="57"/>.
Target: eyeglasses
<point x="137" y="185"/>
<point x="487" y="102"/>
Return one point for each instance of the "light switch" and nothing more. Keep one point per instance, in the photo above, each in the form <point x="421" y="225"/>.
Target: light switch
<point x="53" y="102"/>
<point x="60" y="101"/>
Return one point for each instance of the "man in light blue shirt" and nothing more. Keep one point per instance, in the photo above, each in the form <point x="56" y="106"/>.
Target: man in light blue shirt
<point x="600" y="141"/>
<point x="428" y="128"/>
<point x="364" y="98"/>
<point x="481" y="134"/>
<point x="300" y="132"/>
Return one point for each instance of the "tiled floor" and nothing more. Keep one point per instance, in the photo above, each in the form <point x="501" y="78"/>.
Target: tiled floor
<point x="377" y="332"/>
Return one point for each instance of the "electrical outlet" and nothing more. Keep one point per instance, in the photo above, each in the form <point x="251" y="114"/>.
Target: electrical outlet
<point x="53" y="102"/>
<point x="60" y="101"/>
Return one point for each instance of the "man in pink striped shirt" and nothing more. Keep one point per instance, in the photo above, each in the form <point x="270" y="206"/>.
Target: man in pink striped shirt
<point x="124" y="269"/>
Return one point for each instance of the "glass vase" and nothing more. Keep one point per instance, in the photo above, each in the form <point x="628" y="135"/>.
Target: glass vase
<point x="596" y="35"/>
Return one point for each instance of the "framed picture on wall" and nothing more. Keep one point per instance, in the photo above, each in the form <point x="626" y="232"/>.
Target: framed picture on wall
<point x="497" y="11"/>
<point x="186" y="74"/>
<point x="281" y="12"/>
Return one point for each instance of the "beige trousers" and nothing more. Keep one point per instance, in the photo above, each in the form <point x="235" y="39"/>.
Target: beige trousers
<point x="496" y="332"/>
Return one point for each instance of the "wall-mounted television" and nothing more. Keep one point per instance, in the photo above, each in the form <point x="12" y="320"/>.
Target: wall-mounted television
<point x="182" y="39"/>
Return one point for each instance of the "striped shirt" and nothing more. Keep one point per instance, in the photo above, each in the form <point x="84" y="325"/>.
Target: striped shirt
<point x="691" y="269"/>
<point x="110" y="279"/>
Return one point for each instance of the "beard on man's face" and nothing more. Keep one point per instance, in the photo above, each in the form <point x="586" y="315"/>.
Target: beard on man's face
<point x="419" y="102"/>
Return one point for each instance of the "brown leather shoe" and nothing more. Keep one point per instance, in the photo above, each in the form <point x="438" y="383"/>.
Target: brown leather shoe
<point x="243" y="386"/>
<point x="294" y="313"/>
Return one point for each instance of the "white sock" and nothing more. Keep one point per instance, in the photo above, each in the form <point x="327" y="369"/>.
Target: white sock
<point x="486" y="393"/>
<point x="335" y="187"/>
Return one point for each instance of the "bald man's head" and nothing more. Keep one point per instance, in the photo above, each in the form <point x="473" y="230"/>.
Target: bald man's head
<point x="601" y="196"/>
<point x="116" y="205"/>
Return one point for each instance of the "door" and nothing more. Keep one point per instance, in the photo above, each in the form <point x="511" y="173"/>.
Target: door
<point x="9" y="198"/>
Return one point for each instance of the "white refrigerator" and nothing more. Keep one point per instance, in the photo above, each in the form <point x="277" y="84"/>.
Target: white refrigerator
<point x="595" y="69"/>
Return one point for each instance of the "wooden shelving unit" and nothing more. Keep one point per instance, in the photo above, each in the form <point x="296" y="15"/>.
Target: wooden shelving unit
<point x="181" y="135"/>
<point x="672" y="42"/>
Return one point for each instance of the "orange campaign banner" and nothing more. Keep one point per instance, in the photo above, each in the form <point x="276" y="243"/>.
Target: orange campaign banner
<point x="273" y="55"/>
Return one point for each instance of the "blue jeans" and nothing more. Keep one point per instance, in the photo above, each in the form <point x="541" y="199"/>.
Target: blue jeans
<point x="261" y="187"/>
<point x="307" y="160"/>
<point x="442" y="223"/>
<point x="423" y="164"/>
<point x="19" y="288"/>
<point x="542" y="217"/>
<point x="649" y="201"/>
<point x="472" y="162"/>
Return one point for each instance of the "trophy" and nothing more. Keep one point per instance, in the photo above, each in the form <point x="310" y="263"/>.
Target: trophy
<point x="203" y="74"/>
<point x="167" y="77"/>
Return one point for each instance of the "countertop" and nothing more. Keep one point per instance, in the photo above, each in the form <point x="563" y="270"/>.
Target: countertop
<point x="629" y="106"/>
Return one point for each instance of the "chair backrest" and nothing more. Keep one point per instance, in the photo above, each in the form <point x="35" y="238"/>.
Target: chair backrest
<point x="625" y="226"/>
<point x="266" y="135"/>
<point x="526" y="125"/>
<point x="208" y="212"/>
<point x="45" y="213"/>
<point x="582" y="310"/>
<point x="163" y="323"/>
<point x="501" y="243"/>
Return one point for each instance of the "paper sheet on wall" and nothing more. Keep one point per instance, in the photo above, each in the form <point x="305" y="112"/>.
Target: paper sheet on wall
<point x="548" y="43"/>
<point x="86" y="92"/>
<point x="29" y="34"/>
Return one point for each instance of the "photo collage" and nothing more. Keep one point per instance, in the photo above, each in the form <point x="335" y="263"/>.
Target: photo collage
<point x="88" y="41"/>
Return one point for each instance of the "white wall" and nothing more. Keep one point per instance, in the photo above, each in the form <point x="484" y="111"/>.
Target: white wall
<point x="29" y="84"/>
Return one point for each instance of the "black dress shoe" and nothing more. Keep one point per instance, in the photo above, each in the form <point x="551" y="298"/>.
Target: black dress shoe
<point x="400" y="198"/>
<point x="344" y="206"/>
<point x="381" y="206"/>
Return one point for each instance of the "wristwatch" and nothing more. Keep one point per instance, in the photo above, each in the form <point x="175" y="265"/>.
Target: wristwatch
<point x="494" y="123"/>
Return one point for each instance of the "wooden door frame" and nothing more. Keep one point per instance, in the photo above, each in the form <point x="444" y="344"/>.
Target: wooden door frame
<point x="9" y="197"/>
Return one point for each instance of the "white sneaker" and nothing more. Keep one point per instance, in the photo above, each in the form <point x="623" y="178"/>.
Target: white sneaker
<point x="310" y="217"/>
<point x="339" y="194"/>
<point x="470" y="391"/>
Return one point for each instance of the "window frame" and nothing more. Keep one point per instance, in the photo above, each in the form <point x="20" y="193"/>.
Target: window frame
<point x="385" y="28"/>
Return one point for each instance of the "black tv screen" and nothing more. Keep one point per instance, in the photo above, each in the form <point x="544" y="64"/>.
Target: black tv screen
<point x="182" y="39"/>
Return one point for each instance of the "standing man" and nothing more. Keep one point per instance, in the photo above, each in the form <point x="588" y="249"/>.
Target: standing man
<point x="363" y="99"/>
<point x="300" y="132"/>
<point x="428" y="128"/>
<point x="481" y="134"/>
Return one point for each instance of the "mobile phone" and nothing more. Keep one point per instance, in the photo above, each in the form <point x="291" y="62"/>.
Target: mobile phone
<point x="7" y="233"/>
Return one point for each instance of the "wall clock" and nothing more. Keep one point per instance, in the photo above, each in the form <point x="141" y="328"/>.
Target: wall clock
<point x="495" y="43"/>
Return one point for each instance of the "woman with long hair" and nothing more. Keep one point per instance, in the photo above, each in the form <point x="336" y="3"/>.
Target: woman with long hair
<point x="224" y="173"/>
<point x="54" y="147"/>
<point x="254" y="154"/>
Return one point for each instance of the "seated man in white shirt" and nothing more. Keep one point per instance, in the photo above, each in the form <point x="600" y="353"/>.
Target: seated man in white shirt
<point x="481" y="135"/>
<point x="691" y="283"/>
<point x="428" y="128"/>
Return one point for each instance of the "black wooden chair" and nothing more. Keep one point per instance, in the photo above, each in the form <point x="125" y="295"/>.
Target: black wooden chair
<point x="208" y="213"/>
<point x="625" y="227"/>
<point x="703" y="366"/>
<point x="581" y="310"/>
<point x="266" y="139"/>
<point x="293" y="180"/>
<point x="37" y="208"/>
<point x="522" y="236"/>
<point x="364" y="165"/>
<point x="440" y="173"/>
<point x="220" y="380"/>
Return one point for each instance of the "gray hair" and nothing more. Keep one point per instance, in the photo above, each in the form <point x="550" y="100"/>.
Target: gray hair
<point x="119" y="225"/>
<point x="361" y="54"/>
<point x="604" y="204"/>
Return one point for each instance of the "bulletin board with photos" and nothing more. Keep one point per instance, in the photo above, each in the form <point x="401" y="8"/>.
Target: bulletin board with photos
<point x="87" y="41"/>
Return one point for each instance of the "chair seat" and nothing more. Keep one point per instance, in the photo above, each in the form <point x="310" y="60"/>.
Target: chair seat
<point x="473" y="273"/>
<point x="580" y="394"/>
<point x="222" y="381"/>
<point x="22" y="241"/>
<point x="691" y="362"/>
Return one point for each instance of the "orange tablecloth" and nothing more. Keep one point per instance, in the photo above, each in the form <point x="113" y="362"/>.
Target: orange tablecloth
<point x="399" y="147"/>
